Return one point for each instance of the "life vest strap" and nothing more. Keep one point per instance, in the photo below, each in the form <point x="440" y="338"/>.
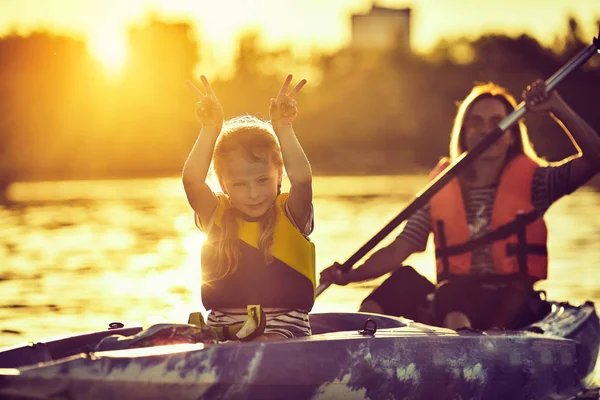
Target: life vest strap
<point x="536" y="249"/>
<point x="515" y="226"/>
<point x="443" y="249"/>
<point x="492" y="281"/>
<point x="521" y="249"/>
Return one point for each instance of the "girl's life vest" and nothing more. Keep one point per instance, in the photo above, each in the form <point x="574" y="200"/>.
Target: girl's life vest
<point x="288" y="281"/>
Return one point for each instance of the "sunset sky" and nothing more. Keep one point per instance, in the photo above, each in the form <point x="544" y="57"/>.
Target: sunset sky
<point x="305" y="24"/>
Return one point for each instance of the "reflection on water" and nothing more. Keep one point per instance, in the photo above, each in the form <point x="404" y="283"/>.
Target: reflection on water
<point x="75" y="256"/>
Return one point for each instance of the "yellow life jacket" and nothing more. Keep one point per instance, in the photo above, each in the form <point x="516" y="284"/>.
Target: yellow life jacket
<point x="288" y="281"/>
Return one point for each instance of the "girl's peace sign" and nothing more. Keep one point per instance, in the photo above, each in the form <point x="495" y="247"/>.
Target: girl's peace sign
<point x="208" y="108"/>
<point x="283" y="108"/>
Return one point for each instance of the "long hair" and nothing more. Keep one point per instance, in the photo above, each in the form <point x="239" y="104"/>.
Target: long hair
<point x="521" y="143"/>
<point x="253" y="139"/>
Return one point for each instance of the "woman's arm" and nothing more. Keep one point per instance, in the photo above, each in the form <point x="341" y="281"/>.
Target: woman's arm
<point x="585" y="139"/>
<point x="586" y="163"/>
<point x="383" y="261"/>
<point x="283" y="110"/>
<point x="413" y="239"/>
<point x="199" y="195"/>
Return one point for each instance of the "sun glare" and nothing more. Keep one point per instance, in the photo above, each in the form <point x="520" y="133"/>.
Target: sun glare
<point x="110" y="50"/>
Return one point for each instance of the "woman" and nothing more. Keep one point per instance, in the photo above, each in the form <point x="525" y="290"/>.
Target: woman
<point x="488" y="223"/>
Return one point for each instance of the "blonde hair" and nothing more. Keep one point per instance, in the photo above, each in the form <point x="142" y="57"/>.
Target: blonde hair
<point x="255" y="140"/>
<point x="521" y="143"/>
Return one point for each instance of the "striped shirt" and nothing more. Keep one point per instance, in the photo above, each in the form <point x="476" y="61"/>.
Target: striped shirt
<point x="548" y="185"/>
<point x="285" y="322"/>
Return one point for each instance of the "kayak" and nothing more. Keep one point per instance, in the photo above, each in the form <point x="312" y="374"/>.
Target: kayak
<point x="349" y="356"/>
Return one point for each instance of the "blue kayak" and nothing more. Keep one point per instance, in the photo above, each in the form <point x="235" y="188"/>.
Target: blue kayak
<point x="349" y="356"/>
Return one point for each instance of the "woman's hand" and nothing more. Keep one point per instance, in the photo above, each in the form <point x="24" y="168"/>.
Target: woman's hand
<point x="208" y="108"/>
<point x="283" y="108"/>
<point x="333" y="274"/>
<point x="539" y="100"/>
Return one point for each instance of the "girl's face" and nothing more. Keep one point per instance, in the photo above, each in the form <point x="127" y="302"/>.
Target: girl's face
<point x="484" y="116"/>
<point x="252" y="186"/>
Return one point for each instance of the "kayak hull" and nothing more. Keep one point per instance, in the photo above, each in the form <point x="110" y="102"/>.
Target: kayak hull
<point x="401" y="359"/>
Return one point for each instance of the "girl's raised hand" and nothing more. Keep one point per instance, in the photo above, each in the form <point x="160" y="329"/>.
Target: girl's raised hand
<point x="283" y="108"/>
<point x="208" y="108"/>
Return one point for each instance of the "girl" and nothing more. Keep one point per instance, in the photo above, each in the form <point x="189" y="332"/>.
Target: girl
<point x="257" y="250"/>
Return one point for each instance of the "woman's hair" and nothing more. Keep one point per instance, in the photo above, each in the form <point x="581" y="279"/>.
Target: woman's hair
<point x="253" y="139"/>
<point x="521" y="143"/>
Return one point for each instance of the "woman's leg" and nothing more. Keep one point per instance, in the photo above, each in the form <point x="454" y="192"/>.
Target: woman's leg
<point x="403" y="294"/>
<point x="511" y="306"/>
<point x="455" y="320"/>
<point x="460" y="304"/>
<point x="371" y="306"/>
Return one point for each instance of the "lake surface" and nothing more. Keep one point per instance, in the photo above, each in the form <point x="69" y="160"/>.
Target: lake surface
<point x="77" y="255"/>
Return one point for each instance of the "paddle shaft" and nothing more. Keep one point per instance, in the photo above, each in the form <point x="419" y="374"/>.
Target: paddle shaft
<point x="463" y="161"/>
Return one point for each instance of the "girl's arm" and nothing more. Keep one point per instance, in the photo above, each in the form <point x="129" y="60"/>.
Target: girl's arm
<point x="586" y="162"/>
<point x="199" y="195"/>
<point x="283" y="110"/>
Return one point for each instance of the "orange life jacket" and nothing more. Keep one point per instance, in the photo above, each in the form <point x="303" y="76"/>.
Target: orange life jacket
<point x="517" y="233"/>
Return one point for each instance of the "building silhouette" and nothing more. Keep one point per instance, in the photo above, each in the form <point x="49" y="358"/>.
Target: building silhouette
<point x="381" y="30"/>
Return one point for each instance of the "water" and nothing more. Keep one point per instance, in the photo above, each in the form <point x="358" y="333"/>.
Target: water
<point x="75" y="256"/>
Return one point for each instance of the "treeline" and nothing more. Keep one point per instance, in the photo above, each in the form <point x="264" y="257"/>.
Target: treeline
<point x="63" y="117"/>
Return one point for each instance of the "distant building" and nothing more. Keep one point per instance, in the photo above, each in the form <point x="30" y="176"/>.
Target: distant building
<point x="382" y="29"/>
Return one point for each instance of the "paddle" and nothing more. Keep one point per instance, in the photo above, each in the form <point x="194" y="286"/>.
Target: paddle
<point x="463" y="161"/>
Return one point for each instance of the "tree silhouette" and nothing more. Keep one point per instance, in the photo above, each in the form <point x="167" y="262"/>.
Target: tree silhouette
<point x="366" y="112"/>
